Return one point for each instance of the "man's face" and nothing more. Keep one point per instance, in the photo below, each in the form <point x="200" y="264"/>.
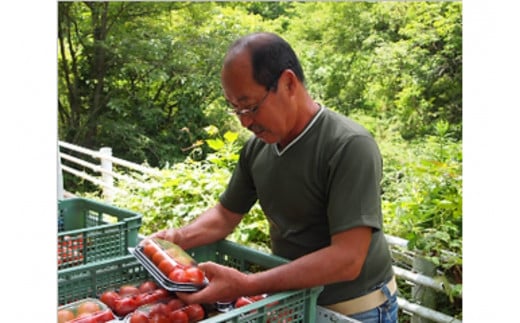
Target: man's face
<point x="259" y="110"/>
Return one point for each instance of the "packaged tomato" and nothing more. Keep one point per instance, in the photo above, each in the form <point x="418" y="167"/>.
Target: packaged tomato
<point x="173" y="268"/>
<point x="127" y="298"/>
<point x="246" y="300"/>
<point x="87" y="310"/>
<point x="172" y="311"/>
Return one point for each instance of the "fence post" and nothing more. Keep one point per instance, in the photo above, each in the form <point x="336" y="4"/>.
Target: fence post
<point x="423" y="295"/>
<point x="106" y="169"/>
<point x="60" y="175"/>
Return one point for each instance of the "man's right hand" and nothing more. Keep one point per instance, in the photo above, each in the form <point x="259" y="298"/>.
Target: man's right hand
<point x="172" y="235"/>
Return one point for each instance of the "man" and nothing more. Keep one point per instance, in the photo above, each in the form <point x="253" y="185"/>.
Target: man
<point x="316" y="175"/>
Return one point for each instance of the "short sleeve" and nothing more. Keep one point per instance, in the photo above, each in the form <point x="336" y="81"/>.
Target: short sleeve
<point x="354" y="188"/>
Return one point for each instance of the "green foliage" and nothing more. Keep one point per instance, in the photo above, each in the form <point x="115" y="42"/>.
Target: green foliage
<point x="139" y="77"/>
<point x="402" y="60"/>
<point x="422" y="201"/>
<point x="144" y="77"/>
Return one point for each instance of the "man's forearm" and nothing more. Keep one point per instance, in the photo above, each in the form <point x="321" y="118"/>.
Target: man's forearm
<point x="212" y="225"/>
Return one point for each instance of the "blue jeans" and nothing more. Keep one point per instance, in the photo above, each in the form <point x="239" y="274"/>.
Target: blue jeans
<point x="385" y="313"/>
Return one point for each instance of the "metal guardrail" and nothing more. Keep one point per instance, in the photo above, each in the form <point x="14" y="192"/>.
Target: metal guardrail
<point x="105" y="179"/>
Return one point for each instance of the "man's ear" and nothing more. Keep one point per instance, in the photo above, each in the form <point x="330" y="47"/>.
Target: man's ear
<point x="288" y="81"/>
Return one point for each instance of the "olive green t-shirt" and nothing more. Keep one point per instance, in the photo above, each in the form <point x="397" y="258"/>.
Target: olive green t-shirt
<point x="325" y="181"/>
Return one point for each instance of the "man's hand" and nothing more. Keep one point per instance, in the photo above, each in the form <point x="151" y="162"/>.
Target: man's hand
<point x="225" y="284"/>
<point x="171" y="235"/>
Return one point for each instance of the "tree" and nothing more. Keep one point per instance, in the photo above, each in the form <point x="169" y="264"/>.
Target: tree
<point x="143" y="78"/>
<point x="401" y="61"/>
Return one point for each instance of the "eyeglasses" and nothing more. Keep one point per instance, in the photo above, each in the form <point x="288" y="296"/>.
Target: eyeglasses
<point x="251" y="110"/>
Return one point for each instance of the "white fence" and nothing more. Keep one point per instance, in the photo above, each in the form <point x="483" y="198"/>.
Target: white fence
<point x="103" y="174"/>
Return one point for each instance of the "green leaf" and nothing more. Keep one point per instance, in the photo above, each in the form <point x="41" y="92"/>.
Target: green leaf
<point x="215" y="144"/>
<point x="230" y="136"/>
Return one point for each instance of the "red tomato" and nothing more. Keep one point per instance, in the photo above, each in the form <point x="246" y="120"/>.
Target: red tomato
<point x="179" y="316"/>
<point x="242" y="301"/>
<point x="87" y="307"/>
<point x="159" y="308"/>
<point x="104" y="316"/>
<point x="67" y="241"/>
<point x="195" y="312"/>
<point x="125" y="305"/>
<point x="195" y="275"/>
<point x="147" y="286"/>
<point x="139" y="317"/>
<point x="158" y="257"/>
<point x="128" y="290"/>
<point x="166" y="266"/>
<point x="65" y="315"/>
<point x="109" y="298"/>
<point x="150" y="249"/>
<point x="179" y="275"/>
<point x="257" y="297"/>
<point x="84" y="318"/>
<point x="153" y="296"/>
<point x="175" y="304"/>
<point x="159" y="318"/>
<point x="161" y="293"/>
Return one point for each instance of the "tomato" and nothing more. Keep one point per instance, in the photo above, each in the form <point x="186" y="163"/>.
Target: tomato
<point x="128" y="290"/>
<point x="147" y="286"/>
<point x="178" y="316"/>
<point x="195" y="275"/>
<point x="159" y="308"/>
<point x="257" y="297"/>
<point x="65" y="315"/>
<point x="66" y="241"/>
<point x="158" y="257"/>
<point x="159" y="318"/>
<point x="166" y="266"/>
<point x="161" y="293"/>
<point x="104" y="316"/>
<point x="98" y="317"/>
<point x="178" y="275"/>
<point x="75" y="243"/>
<point x="195" y="312"/>
<point x="242" y="301"/>
<point x="125" y="305"/>
<point x="109" y="298"/>
<point x="150" y="249"/>
<point x="139" y="317"/>
<point x="84" y="318"/>
<point x="175" y="304"/>
<point x="87" y="307"/>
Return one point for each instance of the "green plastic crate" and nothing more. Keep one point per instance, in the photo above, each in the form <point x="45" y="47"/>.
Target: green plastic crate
<point x="91" y="231"/>
<point x="294" y="306"/>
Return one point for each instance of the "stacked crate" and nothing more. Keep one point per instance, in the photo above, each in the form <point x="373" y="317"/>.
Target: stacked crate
<point x="90" y="231"/>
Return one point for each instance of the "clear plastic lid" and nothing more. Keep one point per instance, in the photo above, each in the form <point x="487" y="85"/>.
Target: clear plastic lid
<point x="170" y="266"/>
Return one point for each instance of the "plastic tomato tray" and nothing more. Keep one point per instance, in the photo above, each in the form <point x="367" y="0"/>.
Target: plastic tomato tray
<point x="161" y="278"/>
<point x="91" y="231"/>
<point x="294" y="306"/>
<point x="103" y="314"/>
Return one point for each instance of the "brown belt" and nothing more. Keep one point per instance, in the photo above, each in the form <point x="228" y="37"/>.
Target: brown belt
<point x="365" y="302"/>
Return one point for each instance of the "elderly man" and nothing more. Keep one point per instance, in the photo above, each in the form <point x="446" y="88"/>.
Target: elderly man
<point x="316" y="175"/>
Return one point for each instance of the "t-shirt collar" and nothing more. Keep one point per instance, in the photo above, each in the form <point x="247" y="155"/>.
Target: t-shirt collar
<point x="295" y="140"/>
